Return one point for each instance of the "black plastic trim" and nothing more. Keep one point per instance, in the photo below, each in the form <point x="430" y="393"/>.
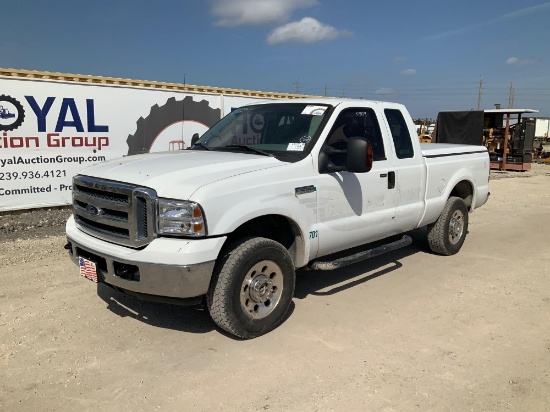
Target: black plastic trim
<point x="453" y="154"/>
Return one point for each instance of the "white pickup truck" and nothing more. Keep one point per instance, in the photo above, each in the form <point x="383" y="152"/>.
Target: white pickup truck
<point x="271" y="188"/>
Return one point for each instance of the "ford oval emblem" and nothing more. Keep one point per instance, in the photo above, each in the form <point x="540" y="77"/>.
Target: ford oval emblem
<point x="94" y="210"/>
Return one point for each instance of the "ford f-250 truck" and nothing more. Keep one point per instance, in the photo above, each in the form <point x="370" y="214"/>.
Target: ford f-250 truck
<point x="271" y="188"/>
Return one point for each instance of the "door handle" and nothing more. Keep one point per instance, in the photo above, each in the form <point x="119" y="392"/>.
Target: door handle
<point x="391" y="180"/>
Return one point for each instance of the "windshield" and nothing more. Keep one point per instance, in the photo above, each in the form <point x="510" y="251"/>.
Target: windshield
<point x="279" y="129"/>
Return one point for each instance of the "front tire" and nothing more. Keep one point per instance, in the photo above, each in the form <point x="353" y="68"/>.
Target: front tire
<point x="252" y="287"/>
<point x="446" y="236"/>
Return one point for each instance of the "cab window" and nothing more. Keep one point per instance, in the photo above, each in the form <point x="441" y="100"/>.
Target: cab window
<point x="357" y="122"/>
<point x="400" y="134"/>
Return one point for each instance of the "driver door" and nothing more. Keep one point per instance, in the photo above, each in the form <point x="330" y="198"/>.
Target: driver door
<point x="355" y="208"/>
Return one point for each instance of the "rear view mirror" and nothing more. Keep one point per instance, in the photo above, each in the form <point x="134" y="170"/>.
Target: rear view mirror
<point x="195" y="139"/>
<point x="360" y="156"/>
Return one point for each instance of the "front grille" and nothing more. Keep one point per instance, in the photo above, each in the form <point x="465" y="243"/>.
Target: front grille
<point x="115" y="212"/>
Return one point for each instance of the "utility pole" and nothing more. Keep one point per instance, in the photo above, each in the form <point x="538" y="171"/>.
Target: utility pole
<point x="296" y="87"/>
<point x="343" y="92"/>
<point x="510" y="97"/>
<point x="513" y="95"/>
<point x="325" y="92"/>
<point x="479" y="94"/>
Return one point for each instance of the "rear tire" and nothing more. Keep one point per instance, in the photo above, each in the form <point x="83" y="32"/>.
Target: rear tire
<point x="446" y="236"/>
<point x="252" y="287"/>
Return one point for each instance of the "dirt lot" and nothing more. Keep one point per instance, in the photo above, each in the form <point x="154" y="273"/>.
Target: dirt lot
<point x="411" y="331"/>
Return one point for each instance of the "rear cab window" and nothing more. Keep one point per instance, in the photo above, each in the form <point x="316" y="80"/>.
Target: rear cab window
<point x="400" y="133"/>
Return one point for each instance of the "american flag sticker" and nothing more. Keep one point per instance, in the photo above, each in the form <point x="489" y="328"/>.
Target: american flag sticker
<point x="87" y="269"/>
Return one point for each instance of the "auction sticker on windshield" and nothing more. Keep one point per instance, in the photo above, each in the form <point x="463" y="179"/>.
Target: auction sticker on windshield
<point x="314" y="110"/>
<point x="296" y="147"/>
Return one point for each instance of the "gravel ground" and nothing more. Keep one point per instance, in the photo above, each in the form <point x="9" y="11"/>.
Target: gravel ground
<point x="537" y="169"/>
<point x="35" y="223"/>
<point x="407" y="331"/>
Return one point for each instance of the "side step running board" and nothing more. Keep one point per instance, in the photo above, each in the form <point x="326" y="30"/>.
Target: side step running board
<point x="357" y="257"/>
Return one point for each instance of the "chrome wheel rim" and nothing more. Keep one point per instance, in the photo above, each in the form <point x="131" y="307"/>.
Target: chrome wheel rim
<point x="456" y="227"/>
<point x="261" y="289"/>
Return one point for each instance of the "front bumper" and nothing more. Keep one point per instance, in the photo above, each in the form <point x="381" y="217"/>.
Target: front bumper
<point x="167" y="267"/>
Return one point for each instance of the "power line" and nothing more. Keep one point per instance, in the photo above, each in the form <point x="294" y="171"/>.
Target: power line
<point x="479" y="95"/>
<point x="530" y="96"/>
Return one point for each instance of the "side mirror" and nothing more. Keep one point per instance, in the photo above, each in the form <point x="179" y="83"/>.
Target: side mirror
<point x="195" y="139"/>
<point x="356" y="157"/>
<point x="360" y="156"/>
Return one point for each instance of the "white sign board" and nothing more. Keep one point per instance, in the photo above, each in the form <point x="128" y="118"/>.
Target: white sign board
<point x="51" y="130"/>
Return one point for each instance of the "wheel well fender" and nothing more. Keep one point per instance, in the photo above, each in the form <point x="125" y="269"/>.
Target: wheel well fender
<point x="278" y="228"/>
<point x="465" y="190"/>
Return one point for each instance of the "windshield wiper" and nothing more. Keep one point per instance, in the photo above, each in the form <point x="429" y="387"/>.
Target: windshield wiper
<point x="202" y="145"/>
<point x="250" y="149"/>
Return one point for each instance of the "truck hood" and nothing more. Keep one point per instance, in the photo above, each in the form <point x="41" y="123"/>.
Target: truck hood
<point x="179" y="174"/>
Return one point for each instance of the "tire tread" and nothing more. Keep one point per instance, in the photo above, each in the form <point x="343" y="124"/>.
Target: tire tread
<point x="218" y="295"/>
<point x="437" y="231"/>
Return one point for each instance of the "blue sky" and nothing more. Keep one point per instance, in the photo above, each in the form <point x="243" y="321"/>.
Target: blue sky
<point x="426" y="54"/>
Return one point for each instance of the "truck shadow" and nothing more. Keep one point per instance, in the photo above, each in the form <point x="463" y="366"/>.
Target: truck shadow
<point x="195" y="319"/>
<point x="192" y="319"/>
<point x="325" y="283"/>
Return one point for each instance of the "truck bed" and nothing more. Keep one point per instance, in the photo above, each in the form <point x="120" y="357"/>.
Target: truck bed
<point x="447" y="165"/>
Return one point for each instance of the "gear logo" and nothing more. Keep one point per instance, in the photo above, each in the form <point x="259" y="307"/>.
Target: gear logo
<point x="12" y="113"/>
<point x="153" y="132"/>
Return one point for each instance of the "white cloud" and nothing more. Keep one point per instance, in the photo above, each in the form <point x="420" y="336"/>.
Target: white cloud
<point x="307" y="30"/>
<point x="499" y="19"/>
<point x="512" y="60"/>
<point x="233" y="13"/>
<point x="400" y="58"/>
<point x="384" y="91"/>
<point x="521" y="12"/>
<point x="515" y="61"/>
<point x="408" y="72"/>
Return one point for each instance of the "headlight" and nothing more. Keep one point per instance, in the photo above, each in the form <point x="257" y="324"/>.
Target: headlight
<point x="176" y="217"/>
